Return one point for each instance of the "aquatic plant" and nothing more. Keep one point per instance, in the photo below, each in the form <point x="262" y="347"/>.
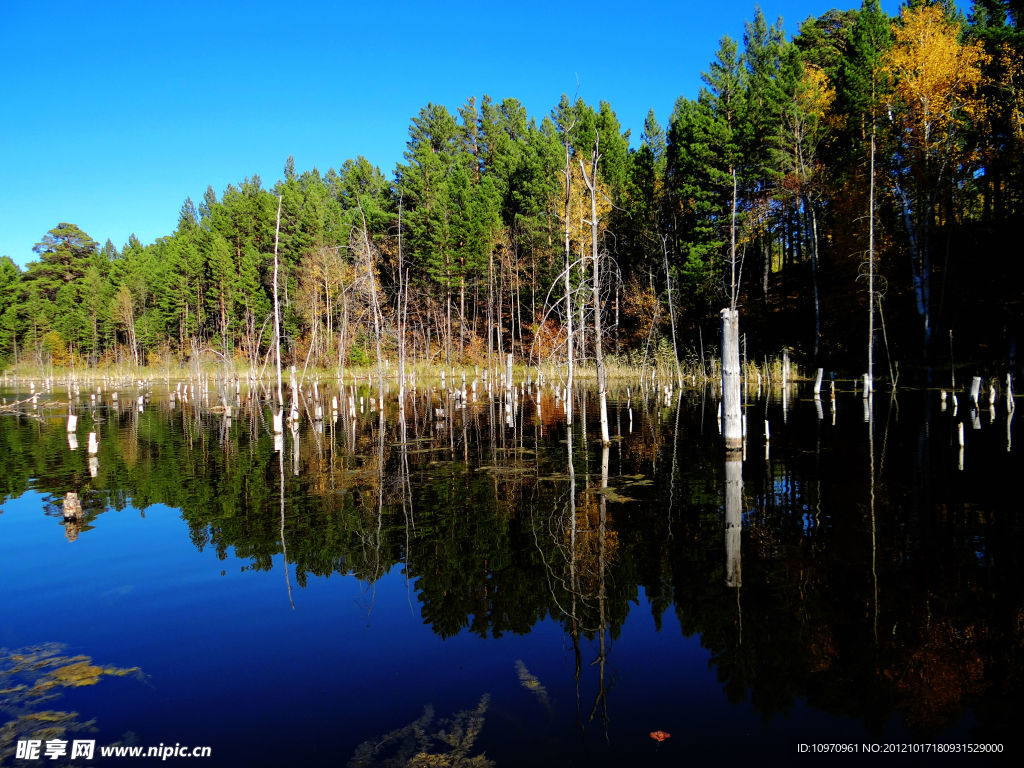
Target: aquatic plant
<point x="35" y="675"/>
<point x="428" y="743"/>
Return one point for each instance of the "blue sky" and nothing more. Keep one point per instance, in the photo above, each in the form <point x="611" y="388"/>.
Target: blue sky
<point x="114" y="112"/>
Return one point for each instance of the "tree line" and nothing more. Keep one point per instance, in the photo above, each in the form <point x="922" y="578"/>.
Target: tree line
<point x="850" y="171"/>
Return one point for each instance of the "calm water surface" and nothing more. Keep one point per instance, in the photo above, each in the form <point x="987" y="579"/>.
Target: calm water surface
<point x="494" y="573"/>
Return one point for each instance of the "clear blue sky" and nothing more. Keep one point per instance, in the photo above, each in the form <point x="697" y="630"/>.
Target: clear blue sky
<point x="114" y="112"/>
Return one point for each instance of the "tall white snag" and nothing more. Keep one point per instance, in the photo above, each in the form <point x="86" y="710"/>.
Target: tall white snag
<point x="368" y="252"/>
<point x="671" y="311"/>
<point x="568" y="284"/>
<point x="403" y="290"/>
<point x="731" y="404"/>
<point x="277" y="319"/>
<point x="870" y="378"/>
<point x="602" y="374"/>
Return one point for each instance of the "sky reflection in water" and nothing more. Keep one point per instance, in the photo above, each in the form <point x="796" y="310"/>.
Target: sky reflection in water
<point x="436" y="566"/>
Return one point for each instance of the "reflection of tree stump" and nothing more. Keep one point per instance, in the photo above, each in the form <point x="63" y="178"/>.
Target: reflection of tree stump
<point x="72" y="506"/>
<point x="71" y="529"/>
<point x="733" y="519"/>
<point x="72" y="515"/>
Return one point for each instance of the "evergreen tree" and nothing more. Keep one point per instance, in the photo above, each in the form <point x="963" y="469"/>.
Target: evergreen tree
<point x="653" y="138"/>
<point x="10" y="277"/>
<point x="64" y="254"/>
<point x="641" y="205"/>
<point x="823" y="41"/>
<point x="701" y="158"/>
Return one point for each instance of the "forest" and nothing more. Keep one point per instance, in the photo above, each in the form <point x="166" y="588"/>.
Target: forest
<point x="853" y="189"/>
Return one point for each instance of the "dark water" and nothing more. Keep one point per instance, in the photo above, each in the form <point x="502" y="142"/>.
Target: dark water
<point x="567" y="601"/>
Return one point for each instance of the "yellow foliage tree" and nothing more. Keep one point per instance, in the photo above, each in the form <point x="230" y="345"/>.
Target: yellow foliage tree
<point x="1011" y="64"/>
<point x="936" y="81"/>
<point x="805" y="124"/>
<point x="579" y="208"/>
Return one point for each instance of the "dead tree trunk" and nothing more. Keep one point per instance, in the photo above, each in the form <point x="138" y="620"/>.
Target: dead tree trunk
<point x="568" y="287"/>
<point x="602" y="374"/>
<point x="671" y="311"/>
<point x="731" y="405"/>
<point x="871" y="262"/>
<point x="277" y="315"/>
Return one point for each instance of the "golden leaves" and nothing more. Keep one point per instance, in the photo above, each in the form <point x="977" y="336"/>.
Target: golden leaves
<point x="640" y="308"/>
<point x="579" y="207"/>
<point x="815" y="95"/>
<point x="936" y="77"/>
<point x="1011" y="63"/>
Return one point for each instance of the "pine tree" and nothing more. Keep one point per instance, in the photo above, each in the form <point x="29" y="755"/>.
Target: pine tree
<point x="10" y="278"/>
<point x="424" y="183"/>
<point x="698" y="195"/>
<point x="64" y="254"/>
<point x="653" y="138"/>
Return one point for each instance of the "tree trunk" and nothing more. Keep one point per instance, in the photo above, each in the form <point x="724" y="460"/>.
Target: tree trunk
<point x="733" y="294"/>
<point x="671" y="312"/>
<point x="376" y="309"/>
<point x="871" y="261"/>
<point x="490" y="309"/>
<point x="602" y="376"/>
<point x="733" y="518"/>
<point x="568" y="290"/>
<point x="448" y="327"/>
<point x="731" y="404"/>
<point x="403" y="296"/>
<point x="277" y="310"/>
<point x="814" y="277"/>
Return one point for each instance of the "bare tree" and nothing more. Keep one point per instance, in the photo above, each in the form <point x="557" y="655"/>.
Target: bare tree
<point x="731" y="404"/>
<point x="671" y="311"/>
<point x="124" y="315"/>
<point x="568" y="282"/>
<point x="602" y="374"/>
<point x="277" y="310"/>
<point x="374" y="304"/>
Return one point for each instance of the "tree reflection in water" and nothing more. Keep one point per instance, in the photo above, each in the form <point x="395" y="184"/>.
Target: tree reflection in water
<point x="505" y="517"/>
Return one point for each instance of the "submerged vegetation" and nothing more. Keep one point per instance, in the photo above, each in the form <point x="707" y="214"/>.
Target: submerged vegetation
<point x="30" y="679"/>
<point x="844" y="177"/>
<point x="428" y="742"/>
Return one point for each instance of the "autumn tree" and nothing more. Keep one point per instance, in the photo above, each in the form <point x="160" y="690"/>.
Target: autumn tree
<point x="936" y="78"/>
<point x="805" y="119"/>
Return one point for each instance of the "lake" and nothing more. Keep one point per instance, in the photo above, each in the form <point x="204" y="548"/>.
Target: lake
<point x="480" y="579"/>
